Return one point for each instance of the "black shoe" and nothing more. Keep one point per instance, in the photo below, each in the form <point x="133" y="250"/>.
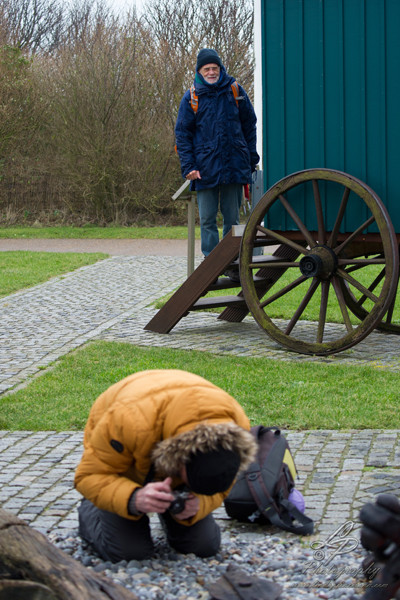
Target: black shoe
<point x="233" y="275"/>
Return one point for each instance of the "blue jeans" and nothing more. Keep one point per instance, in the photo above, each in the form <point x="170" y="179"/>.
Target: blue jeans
<point x="229" y="198"/>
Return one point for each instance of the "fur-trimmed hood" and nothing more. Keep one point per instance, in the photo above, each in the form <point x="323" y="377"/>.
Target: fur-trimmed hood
<point x="170" y="454"/>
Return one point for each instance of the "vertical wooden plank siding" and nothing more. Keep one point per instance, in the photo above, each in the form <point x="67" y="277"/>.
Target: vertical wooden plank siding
<point x="392" y="97"/>
<point x="331" y="94"/>
<point x="334" y="94"/>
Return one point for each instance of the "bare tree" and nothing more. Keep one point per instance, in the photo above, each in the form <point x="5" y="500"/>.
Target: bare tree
<point x="182" y="27"/>
<point x="31" y="24"/>
<point x="228" y="27"/>
<point x="80" y="18"/>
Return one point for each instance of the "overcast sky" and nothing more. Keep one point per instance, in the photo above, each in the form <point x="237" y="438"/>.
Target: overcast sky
<point x="126" y="4"/>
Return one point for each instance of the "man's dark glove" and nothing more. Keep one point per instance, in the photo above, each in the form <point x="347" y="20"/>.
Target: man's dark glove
<point x="381" y="535"/>
<point x="381" y="524"/>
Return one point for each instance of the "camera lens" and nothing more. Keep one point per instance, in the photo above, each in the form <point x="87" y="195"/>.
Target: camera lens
<point x="177" y="506"/>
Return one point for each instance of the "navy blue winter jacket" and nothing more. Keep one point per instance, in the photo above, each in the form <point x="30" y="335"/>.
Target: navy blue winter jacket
<point x="219" y="140"/>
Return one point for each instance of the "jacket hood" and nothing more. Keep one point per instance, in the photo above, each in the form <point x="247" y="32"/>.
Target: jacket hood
<point x="202" y="86"/>
<point x="170" y="454"/>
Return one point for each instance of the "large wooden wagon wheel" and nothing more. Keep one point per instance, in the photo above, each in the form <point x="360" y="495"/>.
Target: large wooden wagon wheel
<point x="330" y="266"/>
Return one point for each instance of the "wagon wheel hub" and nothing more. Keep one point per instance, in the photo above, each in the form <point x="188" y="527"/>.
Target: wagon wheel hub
<point x="320" y="262"/>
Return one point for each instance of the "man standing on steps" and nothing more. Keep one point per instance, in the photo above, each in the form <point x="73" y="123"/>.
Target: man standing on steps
<point x="216" y="143"/>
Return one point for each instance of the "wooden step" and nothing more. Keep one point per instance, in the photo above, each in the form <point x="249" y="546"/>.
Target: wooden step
<point x="218" y="301"/>
<point x="224" y="283"/>
<point x="192" y="295"/>
<point x="259" y="258"/>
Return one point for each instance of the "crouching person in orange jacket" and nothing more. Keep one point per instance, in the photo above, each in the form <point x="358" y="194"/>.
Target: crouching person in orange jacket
<point x="147" y="436"/>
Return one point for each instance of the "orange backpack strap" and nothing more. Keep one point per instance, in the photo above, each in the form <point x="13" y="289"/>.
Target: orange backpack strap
<point x="235" y="91"/>
<point x="194" y="99"/>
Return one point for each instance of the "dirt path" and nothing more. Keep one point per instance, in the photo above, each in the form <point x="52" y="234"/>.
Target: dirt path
<point x="113" y="247"/>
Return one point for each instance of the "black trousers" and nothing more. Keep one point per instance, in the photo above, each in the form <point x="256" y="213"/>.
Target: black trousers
<point x="116" y="538"/>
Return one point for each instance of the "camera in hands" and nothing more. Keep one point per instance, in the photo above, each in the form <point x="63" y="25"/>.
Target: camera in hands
<point x="178" y="504"/>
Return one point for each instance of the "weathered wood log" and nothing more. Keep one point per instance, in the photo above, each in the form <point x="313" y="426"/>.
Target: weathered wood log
<point x="33" y="569"/>
<point x="21" y="590"/>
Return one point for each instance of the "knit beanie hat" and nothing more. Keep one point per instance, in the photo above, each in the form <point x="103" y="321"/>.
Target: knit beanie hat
<point x="207" y="56"/>
<point x="211" y="472"/>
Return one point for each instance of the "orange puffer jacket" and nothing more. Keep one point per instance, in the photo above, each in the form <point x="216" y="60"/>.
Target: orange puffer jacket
<point x="156" y="417"/>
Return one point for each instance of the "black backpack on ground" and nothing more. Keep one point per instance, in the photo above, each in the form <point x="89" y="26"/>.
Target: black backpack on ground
<point x="260" y="494"/>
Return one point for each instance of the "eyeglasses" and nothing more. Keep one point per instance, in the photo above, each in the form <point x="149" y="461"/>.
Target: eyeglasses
<point x="208" y="69"/>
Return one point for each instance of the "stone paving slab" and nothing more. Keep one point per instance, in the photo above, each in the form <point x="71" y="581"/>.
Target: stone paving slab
<point x="111" y="300"/>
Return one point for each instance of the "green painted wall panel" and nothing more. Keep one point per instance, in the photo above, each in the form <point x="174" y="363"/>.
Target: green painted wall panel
<point x="331" y="94"/>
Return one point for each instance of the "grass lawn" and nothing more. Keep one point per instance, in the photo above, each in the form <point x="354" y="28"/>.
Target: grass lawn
<point x="295" y="396"/>
<point x="20" y="270"/>
<point x="94" y="232"/>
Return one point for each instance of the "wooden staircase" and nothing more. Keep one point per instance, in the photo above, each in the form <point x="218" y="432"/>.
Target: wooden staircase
<point x="207" y="277"/>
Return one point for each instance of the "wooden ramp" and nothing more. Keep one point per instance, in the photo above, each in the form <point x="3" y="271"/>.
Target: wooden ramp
<point x="207" y="277"/>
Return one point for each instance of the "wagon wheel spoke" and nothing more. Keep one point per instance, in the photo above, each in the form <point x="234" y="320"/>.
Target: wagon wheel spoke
<point x="318" y="210"/>
<point x="371" y="287"/>
<point x="274" y="265"/>
<point x="359" y="286"/>
<point x="359" y="307"/>
<point x="288" y="288"/>
<point x="355" y="265"/>
<point x="389" y="314"/>
<point x="298" y="221"/>
<point x="303" y="304"/>
<point x="355" y="233"/>
<point x="342" y="209"/>
<point x="282" y="239"/>
<point x="322" y="311"/>
<point x="359" y="263"/>
<point x="342" y="303"/>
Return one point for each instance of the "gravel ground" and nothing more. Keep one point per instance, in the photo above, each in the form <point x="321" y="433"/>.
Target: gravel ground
<point x="284" y="559"/>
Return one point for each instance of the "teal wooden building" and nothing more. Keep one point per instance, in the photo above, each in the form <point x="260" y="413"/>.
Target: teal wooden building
<point x="327" y="91"/>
